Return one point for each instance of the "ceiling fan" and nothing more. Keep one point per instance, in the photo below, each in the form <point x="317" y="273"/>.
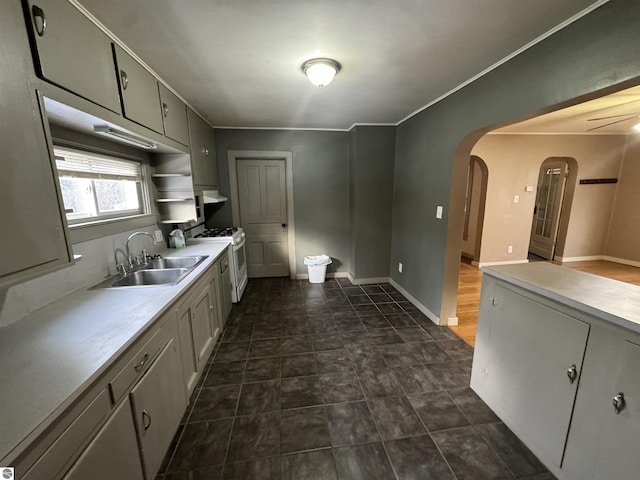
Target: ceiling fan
<point x="627" y="116"/>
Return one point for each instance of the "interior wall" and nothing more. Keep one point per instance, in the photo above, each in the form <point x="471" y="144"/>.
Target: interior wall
<point x="574" y="64"/>
<point x="320" y="187"/>
<point x="514" y="162"/>
<point x="624" y="230"/>
<point x="371" y="195"/>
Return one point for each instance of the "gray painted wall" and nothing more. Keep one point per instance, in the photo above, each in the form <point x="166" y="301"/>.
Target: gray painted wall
<point x="596" y="52"/>
<point x="320" y="187"/>
<point x="372" y="153"/>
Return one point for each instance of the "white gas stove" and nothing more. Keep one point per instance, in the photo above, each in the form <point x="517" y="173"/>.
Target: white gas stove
<point x="234" y="237"/>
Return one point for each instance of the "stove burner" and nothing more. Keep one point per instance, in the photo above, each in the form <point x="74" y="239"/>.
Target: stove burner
<point x="217" y="232"/>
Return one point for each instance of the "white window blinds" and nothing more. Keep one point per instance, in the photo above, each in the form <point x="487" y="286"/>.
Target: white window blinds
<point x="76" y="163"/>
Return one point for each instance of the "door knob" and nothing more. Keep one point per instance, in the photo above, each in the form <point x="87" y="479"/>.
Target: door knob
<point x="619" y="403"/>
<point x="284" y="225"/>
<point x="572" y="373"/>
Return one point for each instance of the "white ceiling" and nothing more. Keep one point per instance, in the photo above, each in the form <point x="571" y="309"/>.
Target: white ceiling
<point x="237" y="62"/>
<point x="613" y="114"/>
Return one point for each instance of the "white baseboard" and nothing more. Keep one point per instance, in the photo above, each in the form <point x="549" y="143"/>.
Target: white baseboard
<point x="606" y="258"/>
<point x="368" y="281"/>
<point x="587" y="258"/>
<point x="506" y="262"/>
<point x="416" y="303"/>
<point x="305" y="276"/>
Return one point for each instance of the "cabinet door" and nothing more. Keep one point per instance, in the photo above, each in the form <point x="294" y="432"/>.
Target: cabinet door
<point x="158" y="402"/>
<point x="113" y="453"/>
<point x="72" y="52"/>
<point x="187" y="351"/>
<point x="203" y="151"/>
<point x="225" y="287"/>
<point x="617" y="456"/>
<point x="524" y="368"/>
<point x="202" y="325"/>
<point x="139" y="91"/>
<point x="174" y="116"/>
<point x="33" y="238"/>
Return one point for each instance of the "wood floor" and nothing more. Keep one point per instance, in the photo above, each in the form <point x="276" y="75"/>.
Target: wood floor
<point x="470" y="280"/>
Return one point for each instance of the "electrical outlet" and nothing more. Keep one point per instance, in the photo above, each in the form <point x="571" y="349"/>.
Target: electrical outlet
<point x="158" y="235"/>
<point x="516" y="199"/>
<point x="400" y="267"/>
<point x="510" y="249"/>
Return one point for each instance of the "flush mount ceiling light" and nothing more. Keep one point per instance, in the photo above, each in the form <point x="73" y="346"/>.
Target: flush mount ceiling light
<point x="320" y="71"/>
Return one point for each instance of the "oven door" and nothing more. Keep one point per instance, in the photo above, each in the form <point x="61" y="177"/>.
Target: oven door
<point x="239" y="259"/>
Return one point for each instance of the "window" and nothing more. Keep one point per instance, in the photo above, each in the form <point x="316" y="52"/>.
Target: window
<point x="97" y="187"/>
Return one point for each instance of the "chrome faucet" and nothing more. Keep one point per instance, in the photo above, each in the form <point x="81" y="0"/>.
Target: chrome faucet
<point x="135" y="234"/>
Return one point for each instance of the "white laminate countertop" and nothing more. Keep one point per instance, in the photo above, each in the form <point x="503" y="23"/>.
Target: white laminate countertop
<point x="611" y="300"/>
<point x="50" y="357"/>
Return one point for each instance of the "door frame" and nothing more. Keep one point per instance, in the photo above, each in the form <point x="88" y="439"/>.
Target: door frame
<point x="232" y="157"/>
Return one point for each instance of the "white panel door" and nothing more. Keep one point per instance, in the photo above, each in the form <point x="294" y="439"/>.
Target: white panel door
<point x="262" y="197"/>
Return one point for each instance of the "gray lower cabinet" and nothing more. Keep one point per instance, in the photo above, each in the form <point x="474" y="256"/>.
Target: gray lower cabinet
<point x="198" y="328"/>
<point x="71" y="52"/>
<point x="566" y="382"/>
<point x="35" y="242"/>
<point x="604" y="439"/>
<point x="203" y="151"/>
<point x="139" y="92"/>
<point x="174" y="116"/>
<point x="112" y="453"/>
<point x="158" y="402"/>
<point x="525" y="350"/>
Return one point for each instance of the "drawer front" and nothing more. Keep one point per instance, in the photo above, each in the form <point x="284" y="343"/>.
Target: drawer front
<point x="136" y="367"/>
<point x="64" y="450"/>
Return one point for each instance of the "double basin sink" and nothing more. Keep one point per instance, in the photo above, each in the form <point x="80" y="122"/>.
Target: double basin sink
<point x="157" y="271"/>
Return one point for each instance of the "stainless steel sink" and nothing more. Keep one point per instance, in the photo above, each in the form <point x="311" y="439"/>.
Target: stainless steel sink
<point x="152" y="277"/>
<point x="157" y="272"/>
<point x="174" y="262"/>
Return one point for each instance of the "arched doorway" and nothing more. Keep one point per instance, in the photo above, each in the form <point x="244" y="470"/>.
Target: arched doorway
<point x="476" y="196"/>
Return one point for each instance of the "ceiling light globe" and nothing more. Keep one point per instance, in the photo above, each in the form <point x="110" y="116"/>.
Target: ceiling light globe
<point x="321" y="71"/>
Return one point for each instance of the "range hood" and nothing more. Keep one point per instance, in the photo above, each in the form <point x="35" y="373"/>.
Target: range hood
<point x="212" y="196"/>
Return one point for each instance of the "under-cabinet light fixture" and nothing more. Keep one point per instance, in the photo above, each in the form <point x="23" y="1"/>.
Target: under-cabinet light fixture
<point x="124" y="137"/>
<point x="320" y="71"/>
<point x="636" y="127"/>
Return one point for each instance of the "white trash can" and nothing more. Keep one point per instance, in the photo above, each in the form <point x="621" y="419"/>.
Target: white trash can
<point x="317" y="267"/>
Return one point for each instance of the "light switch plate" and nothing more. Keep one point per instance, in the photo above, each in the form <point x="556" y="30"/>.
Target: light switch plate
<point x="439" y="211"/>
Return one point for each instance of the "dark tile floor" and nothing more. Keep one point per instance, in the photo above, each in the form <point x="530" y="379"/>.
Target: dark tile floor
<point x="334" y="381"/>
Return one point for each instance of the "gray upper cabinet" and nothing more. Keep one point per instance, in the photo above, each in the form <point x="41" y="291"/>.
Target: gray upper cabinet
<point x="203" y="151"/>
<point x="33" y="240"/>
<point x="139" y="91"/>
<point x="71" y="52"/>
<point x="174" y="116"/>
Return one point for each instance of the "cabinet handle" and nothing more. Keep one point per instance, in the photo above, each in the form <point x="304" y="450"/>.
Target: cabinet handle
<point x="38" y="13"/>
<point x="124" y="79"/>
<point x="494" y="302"/>
<point x="165" y="109"/>
<point x="619" y="403"/>
<point x="146" y="421"/>
<point x="572" y="373"/>
<point x="139" y="366"/>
